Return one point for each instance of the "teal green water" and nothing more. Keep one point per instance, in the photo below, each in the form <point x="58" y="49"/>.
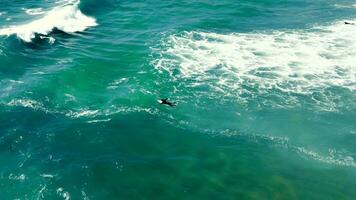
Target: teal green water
<point x="265" y="93"/>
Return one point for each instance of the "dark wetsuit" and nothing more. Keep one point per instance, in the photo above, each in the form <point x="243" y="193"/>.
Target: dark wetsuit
<point x="165" y="101"/>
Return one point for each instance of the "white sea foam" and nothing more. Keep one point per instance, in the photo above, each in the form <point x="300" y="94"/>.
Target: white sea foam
<point x="34" y="11"/>
<point x="47" y="175"/>
<point x="291" y="61"/>
<point x="27" y="103"/>
<point x="98" y="121"/>
<point x="83" y="113"/>
<point x="39" y="194"/>
<point x="67" y="18"/>
<point x="345" y="5"/>
<point x="88" y="113"/>
<point x="20" y="177"/>
<point x="340" y="159"/>
<point x="70" y="97"/>
<point x="93" y="115"/>
<point x="31" y="104"/>
<point x="61" y="192"/>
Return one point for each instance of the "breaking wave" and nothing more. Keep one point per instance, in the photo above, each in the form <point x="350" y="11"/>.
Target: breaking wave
<point x="289" y="61"/>
<point x="65" y="17"/>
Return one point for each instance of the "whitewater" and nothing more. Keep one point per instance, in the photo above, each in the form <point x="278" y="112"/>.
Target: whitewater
<point x="65" y="17"/>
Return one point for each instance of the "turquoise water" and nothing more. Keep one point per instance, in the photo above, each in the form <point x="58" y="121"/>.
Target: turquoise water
<point x="265" y="93"/>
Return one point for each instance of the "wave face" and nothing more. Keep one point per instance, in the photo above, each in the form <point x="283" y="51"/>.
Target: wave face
<point x="289" y="61"/>
<point x="66" y="17"/>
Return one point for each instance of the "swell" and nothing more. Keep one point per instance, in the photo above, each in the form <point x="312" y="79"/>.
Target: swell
<point x="103" y="115"/>
<point x="332" y="157"/>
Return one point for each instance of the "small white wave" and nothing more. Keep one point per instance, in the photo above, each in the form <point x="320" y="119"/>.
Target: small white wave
<point x="115" y="84"/>
<point x="34" y="11"/>
<point x="69" y="97"/>
<point x="20" y="177"/>
<point x="31" y="104"/>
<point x="82" y="113"/>
<point x="88" y="113"/>
<point x="27" y="103"/>
<point x="16" y="82"/>
<point x="67" y="18"/>
<point x="334" y="157"/>
<point x="85" y="113"/>
<point x="98" y="120"/>
<point x="341" y="160"/>
<point x="47" y="175"/>
<point x="345" y="6"/>
<point x="40" y="192"/>
<point x="61" y="192"/>
<point x="61" y="2"/>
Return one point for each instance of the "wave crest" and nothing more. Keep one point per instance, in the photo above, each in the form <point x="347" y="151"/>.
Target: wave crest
<point x="67" y="18"/>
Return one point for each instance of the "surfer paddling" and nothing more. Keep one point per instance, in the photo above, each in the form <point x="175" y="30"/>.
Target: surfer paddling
<point x="166" y="102"/>
<point x="349" y="23"/>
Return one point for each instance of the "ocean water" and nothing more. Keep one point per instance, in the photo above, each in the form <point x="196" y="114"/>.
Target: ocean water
<point x="265" y="93"/>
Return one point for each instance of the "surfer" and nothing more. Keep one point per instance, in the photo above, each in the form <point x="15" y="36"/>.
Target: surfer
<point x="166" y="102"/>
<point x="349" y="23"/>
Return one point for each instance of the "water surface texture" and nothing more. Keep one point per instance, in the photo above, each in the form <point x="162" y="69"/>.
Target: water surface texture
<point x="265" y="93"/>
